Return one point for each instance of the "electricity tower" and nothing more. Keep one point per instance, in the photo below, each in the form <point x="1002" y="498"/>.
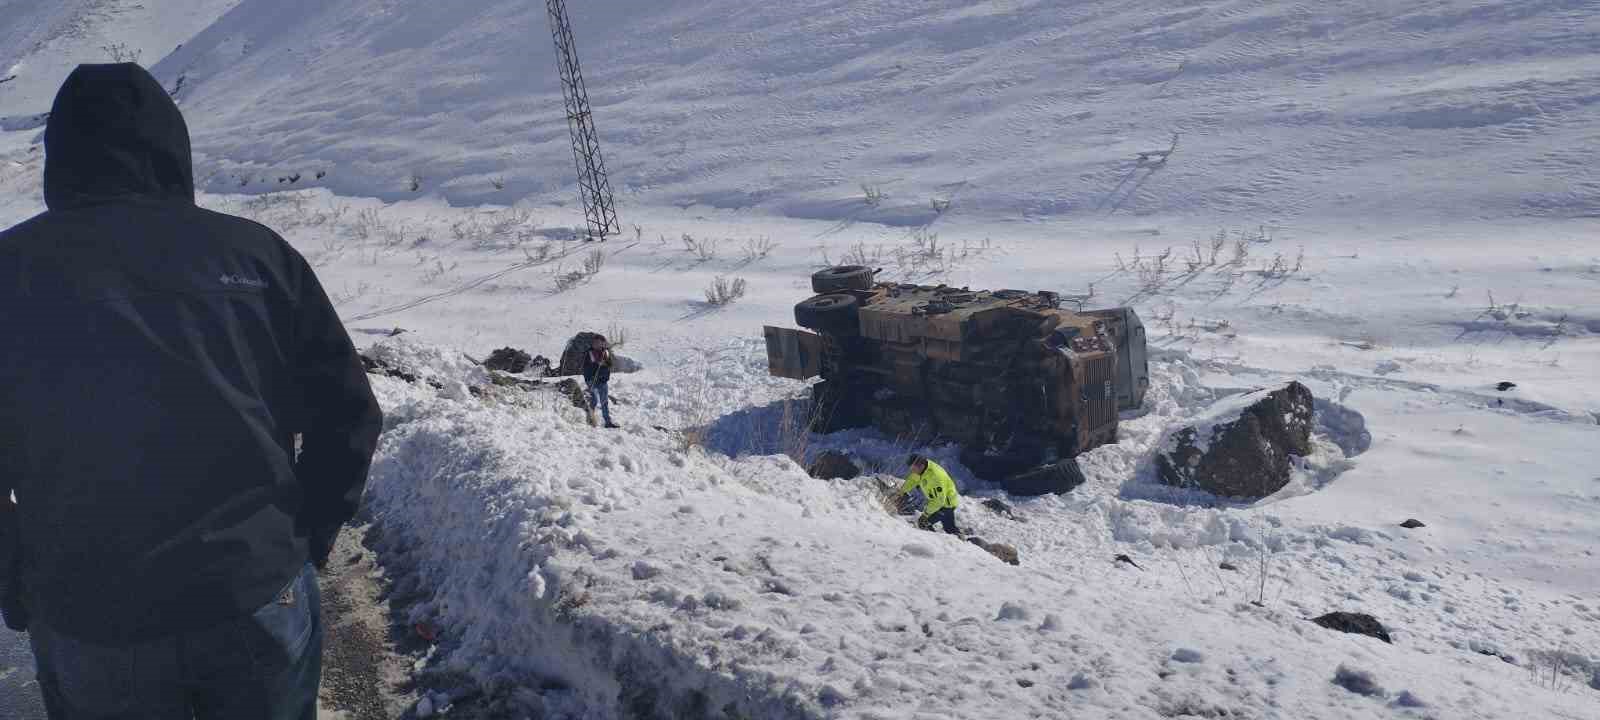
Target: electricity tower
<point x="592" y="182"/>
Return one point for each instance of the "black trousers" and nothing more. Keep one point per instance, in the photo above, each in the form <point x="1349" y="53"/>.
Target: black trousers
<point x="945" y="517"/>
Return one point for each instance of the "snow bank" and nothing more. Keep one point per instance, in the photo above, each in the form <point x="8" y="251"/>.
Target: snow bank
<point x="577" y="572"/>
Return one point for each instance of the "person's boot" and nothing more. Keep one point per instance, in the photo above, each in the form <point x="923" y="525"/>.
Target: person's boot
<point x="612" y="425"/>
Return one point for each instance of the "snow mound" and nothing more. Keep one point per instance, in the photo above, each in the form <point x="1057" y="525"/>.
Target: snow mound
<point x="608" y="574"/>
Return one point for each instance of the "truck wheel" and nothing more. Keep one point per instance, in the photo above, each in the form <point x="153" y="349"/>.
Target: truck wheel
<point x="842" y="277"/>
<point x="836" y="314"/>
<point x="1055" y="478"/>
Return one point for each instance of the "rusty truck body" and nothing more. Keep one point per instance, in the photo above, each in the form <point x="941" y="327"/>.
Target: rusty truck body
<point x="1022" y="384"/>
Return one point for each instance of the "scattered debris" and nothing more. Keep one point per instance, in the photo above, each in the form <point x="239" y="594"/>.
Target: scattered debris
<point x="833" y="465"/>
<point x="1484" y="648"/>
<point x="1354" y="623"/>
<point x="1412" y="523"/>
<point x="1242" y="449"/>
<point x="1006" y="553"/>
<point x="1408" y="700"/>
<point x="375" y="366"/>
<point x="1188" y="655"/>
<point x="1126" y="559"/>
<point x="999" y="507"/>
<point x="509" y="359"/>
<point x="1359" y="682"/>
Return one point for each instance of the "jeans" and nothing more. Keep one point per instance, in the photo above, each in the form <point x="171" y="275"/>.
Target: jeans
<point x="600" y="397"/>
<point x="945" y="517"/>
<point x="265" y="666"/>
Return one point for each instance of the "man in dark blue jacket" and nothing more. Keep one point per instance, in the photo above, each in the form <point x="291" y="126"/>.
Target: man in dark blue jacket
<point x="597" y="378"/>
<point x="186" y="426"/>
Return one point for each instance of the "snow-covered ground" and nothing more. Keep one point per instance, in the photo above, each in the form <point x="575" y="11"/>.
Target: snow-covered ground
<point x="1393" y="203"/>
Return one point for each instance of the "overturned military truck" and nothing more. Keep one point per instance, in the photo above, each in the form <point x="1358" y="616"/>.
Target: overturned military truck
<point x="1022" y="384"/>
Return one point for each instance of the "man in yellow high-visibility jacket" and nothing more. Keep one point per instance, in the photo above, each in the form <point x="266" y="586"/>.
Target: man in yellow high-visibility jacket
<point x="938" y="488"/>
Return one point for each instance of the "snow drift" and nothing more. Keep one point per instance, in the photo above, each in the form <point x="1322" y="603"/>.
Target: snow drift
<point x="578" y="572"/>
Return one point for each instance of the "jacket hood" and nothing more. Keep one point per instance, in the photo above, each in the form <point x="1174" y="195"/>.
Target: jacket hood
<point x="115" y="133"/>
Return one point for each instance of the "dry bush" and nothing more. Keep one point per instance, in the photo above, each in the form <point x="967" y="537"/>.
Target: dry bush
<point x="616" y="335"/>
<point x="758" y="248"/>
<point x="537" y="253"/>
<point x="702" y="250"/>
<point x="873" y="194"/>
<point x="565" y="280"/>
<point x="724" y="291"/>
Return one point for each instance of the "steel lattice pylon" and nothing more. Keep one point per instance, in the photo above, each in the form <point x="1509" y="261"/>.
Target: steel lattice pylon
<point x="592" y="183"/>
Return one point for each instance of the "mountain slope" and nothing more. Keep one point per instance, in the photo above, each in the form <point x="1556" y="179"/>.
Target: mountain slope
<point x="1449" y="108"/>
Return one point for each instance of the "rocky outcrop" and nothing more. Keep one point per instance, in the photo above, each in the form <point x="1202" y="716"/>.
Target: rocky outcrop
<point x="572" y="357"/>
<point x="511" y="360"/>
<point x="1242" y="446"/>
<point x="1356" y="623"/>
<point x="833" y="465"/>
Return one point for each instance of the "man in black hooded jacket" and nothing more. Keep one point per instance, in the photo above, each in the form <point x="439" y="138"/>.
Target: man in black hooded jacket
<point x="185" y="427"/>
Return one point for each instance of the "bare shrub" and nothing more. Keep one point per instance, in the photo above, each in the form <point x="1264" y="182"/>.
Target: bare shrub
<point x="498" y="182"/>
<point x="616" y="335"/>
<point x="121" y="53"/>
<point x="758" y="248"/>
<point x="536" y="253"/>
<point x="872" y="194"/>
<point x="414" y="183"/>
<point x="702" y="250"/>
<point x="860" y="254"/>
<point x="1281" y="268"/>
<point x="434" y="269"/>
<point x="565" y="280"/>
<point x="724" y="291"/>
<point x="368" y="222"/>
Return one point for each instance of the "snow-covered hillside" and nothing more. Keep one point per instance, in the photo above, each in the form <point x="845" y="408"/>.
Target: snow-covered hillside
<point x="1010" y="108"/>
<point x="1395" y="203"/>
<point x="629" y="574"/>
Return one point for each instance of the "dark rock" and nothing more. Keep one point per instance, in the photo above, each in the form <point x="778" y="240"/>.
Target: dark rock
<point x="509" y="360"/>
<point x="1225" y="565"/>
<point x="572" y="356"/>
<point x="1006" y="553"/>
<point x="1407" y="699"/>
<point x="1359" y="682"/>
<point x="572" y="389"/>
<point x="1126" y="559"/>
<point x="375" y="366"/>
<point x="1412" y="523"/>
<point x="1243" y="448"/>
<point x="1355" y="623"/>
<point x="833" y="465"/>
<point x="999" y="507"/>
<point x="1504" y="386"/>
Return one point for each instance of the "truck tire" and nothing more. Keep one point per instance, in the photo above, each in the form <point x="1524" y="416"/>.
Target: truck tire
<point x="836" y="314"/>
<point x="1057" y="478"/>
<point x="842" y="277"/>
